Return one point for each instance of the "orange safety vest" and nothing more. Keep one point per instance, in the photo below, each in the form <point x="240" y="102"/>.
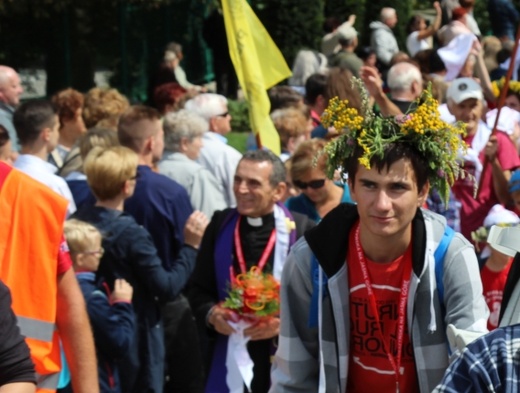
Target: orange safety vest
<point x="31" y="229"/>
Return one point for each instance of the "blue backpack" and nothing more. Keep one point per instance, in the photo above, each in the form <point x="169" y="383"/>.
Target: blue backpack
<point x="439" y="254"/>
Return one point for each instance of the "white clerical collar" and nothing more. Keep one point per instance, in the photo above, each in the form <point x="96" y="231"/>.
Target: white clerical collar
<point x="255" y="221"/>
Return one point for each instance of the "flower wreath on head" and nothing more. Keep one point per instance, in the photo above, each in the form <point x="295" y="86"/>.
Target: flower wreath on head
<point x="496" y="86"/>
<point x="440" y="143"/>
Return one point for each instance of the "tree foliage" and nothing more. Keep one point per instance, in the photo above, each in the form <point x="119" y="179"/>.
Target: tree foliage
<point x="73" y="37"/>
<point x="293" y="24"/>
<point x="45" y="8"/>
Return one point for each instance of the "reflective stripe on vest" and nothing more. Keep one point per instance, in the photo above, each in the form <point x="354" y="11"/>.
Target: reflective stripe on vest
<point x="47" y="383"/>
<point x="36" y="329"/>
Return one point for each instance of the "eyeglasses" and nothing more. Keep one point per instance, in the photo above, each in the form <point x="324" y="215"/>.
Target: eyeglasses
<point x="314" y="184"/>
<point x="99" y="253"/>
<point x="223" y="115"/>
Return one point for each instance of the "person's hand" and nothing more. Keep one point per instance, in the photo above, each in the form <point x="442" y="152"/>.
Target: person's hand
<point x="372" y="80"/>
<point x="491" y="148"/>
<point x="218" y="317"/>
<point x="476" y="48"/>
<point x="263" y="329"/>
<point x="331" y="133"/>
<point x="122" y="291"/>
<point x="437" y="7"/>
<point x="194" y="228"/>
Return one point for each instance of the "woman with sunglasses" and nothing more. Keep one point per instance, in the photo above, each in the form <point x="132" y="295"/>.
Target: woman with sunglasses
<point x="319" y="195"/>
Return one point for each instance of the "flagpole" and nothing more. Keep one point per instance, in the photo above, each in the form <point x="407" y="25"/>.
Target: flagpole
<point x="501" y="100"/>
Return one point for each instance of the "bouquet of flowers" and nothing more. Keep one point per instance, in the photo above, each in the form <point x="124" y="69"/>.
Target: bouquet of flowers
<point x="253" y="294"/>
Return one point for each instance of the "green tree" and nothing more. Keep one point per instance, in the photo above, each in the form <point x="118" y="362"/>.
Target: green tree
<point x="293" y="24"/>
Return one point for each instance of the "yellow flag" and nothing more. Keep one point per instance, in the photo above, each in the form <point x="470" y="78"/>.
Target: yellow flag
<point x="259" y="65"/>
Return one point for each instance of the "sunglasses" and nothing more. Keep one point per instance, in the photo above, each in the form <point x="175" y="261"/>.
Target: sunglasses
<point x="314" y="184"/>
<point x="223" y="114"/>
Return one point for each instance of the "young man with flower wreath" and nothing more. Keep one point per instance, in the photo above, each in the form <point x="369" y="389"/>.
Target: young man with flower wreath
<point x="381" y="322"/>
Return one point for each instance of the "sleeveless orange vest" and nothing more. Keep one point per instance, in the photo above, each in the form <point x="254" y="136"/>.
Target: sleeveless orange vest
<point x="31" y="229"/>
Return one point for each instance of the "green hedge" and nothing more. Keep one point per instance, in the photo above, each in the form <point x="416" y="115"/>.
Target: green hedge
<point x="239" y="111"/>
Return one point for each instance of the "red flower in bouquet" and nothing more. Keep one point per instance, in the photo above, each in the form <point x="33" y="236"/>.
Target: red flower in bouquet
<point x="254" y="294"/>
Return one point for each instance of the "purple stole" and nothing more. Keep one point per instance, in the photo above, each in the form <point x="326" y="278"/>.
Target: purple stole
<point x="223" y="257"/>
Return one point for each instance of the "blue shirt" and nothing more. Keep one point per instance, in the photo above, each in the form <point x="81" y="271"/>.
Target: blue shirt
<point x="80" y="189"/>
<point x="162" y="206"/>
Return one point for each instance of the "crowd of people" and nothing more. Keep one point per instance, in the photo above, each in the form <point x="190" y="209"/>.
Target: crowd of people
<point x="123" y="224"/>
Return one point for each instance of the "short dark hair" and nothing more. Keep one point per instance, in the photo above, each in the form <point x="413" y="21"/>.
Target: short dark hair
<point x="130" y="133"/>
<point x="31" y="118"/>
<point x="284" y="97"/>
<point x="436" y="62"/>
<point x="314" y="87"/>
<point x="393" y="152"/>
<point x="278" y="172"/>
<point x="364" y="52"/>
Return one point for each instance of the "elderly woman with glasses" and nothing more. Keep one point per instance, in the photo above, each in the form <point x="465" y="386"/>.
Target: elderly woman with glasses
<point x="183" y="131"/>
<point x="319" y="195"/>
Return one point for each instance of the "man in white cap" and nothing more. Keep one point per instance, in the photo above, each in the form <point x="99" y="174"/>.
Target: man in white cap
<point x="465" y="104"/>
<point x="346" y="57"/>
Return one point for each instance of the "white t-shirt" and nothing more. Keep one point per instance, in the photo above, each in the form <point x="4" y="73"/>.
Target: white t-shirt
<point x="414" y="45"/>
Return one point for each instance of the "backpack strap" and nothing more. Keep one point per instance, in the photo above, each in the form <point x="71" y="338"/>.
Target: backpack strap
<point x="315" y="278"/>
<point x="439" y="254"/>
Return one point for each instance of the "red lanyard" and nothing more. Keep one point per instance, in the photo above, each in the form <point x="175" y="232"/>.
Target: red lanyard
<point x="396" y="363"/>
<point x="240" y="254"/>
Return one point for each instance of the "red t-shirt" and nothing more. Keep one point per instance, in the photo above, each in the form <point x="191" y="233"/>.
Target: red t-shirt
<point x="64" y="260"/>
<point x="473" y="210"/>
<point x="493" y="284"/>
<point x="369" y="367"/>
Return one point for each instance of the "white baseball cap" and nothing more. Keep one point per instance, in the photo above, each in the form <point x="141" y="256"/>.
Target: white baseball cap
<point x="464" y="88"/>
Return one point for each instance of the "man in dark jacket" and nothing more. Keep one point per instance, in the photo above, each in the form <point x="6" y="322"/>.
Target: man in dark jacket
<point x="259" y="232"/>
<point x="162" y="206"/>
